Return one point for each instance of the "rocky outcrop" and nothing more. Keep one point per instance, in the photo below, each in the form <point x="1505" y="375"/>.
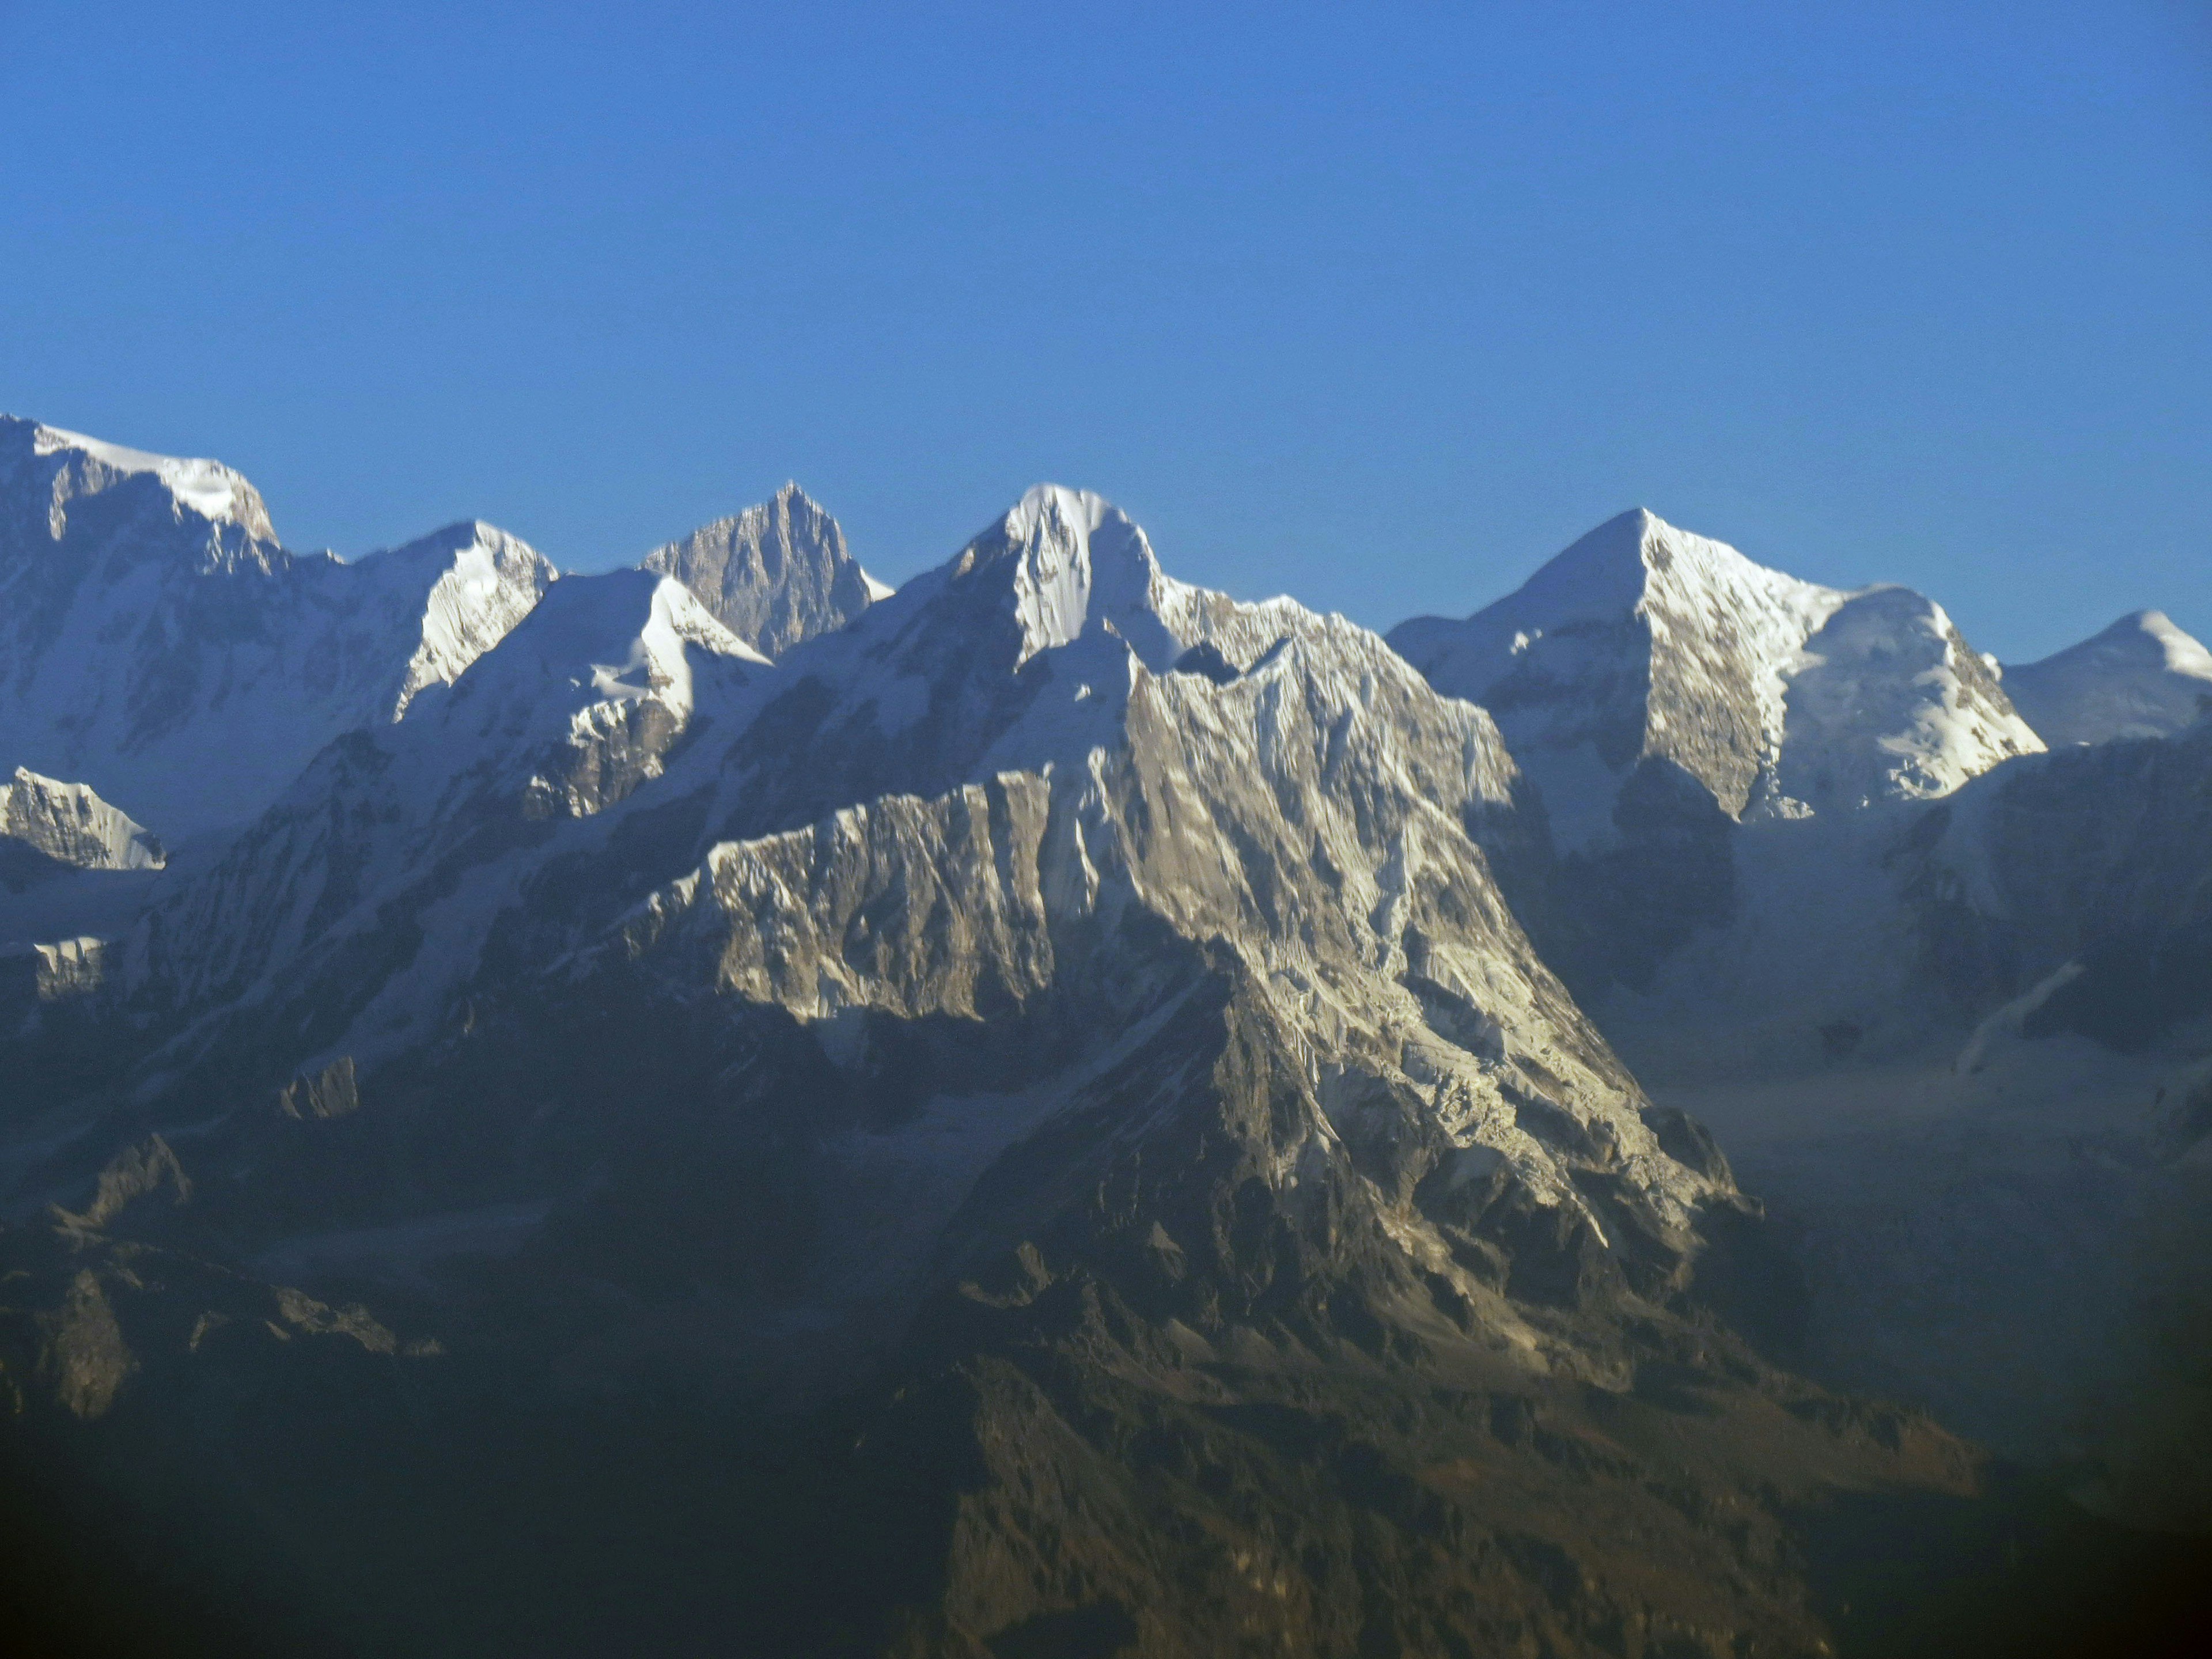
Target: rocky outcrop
<point x="47" y="827"/>
<point x="774" y="575"/>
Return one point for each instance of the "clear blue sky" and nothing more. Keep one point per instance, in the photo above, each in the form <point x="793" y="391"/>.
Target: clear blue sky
<point x="1375" y="305"/>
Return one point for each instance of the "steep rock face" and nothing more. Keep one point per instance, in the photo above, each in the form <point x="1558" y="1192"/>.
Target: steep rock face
<point x="2141" y="678"/>
<point x="1640" y="639"/>
<point x="1660" y="689"/>
<point x="775" y="575"/>
<point x="161" y="645"/>
<point x="47" y="827"/>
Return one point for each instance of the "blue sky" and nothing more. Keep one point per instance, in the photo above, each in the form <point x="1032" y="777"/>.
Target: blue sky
<point x="1375" y="305"/>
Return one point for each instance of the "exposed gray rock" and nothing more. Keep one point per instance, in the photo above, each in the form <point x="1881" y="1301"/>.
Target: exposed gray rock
<point x="774" y="575"/>
<point x="1642" y="641"/>
<point x="47" y="827"/>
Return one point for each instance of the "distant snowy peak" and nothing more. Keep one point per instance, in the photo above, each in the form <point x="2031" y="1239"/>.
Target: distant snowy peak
<point x="49" y="826"/>
<point x="158" y="645"/>
<point x="1639" y="641"/>
<point x="623" y="635"/>
<point x="586" y="695"/>
<point x="2141" y="677"/>
<point x="79" y="467"/>
<point x="1066" y="567"/>
<point x="1643" y="641"/>
<point x="775" y="575"/>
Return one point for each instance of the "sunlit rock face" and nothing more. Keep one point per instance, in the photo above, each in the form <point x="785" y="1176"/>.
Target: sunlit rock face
<point x="47" y="827"/>
<point x="1659" y="690"/>
<point x="775" y="575"/>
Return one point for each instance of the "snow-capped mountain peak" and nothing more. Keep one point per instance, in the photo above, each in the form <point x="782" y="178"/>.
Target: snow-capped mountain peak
<point x="482" y="581"/>
<point x="1639" y="639"/>
<point x="2141" y="677"/>
<point x="1071" y="557"/>
<point x="84" y="466"/>
<point x="1889" y="663"/>
<point x="1644" y="642"/>
<point x="2183" y="651"/>
<point x="157" y="644"/>
<point x="623" y="635"/>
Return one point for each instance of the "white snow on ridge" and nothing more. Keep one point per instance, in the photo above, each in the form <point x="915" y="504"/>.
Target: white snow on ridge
<point x="1069" y="548"/>
<point x="159" y="644"/>
<point x="1782" y="696"/>
<point x="208" y="488"/>
<point x="2141" y="677"/>
<point x="1889" y="663"/>
<point x="491" y="582"/>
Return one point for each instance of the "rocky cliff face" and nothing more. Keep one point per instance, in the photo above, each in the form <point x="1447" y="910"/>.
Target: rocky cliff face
<point x="1660" y="689"/>
<point x="1643" y="642"/>
<point x="775" y="575"/>
<point x="47" y="827"/>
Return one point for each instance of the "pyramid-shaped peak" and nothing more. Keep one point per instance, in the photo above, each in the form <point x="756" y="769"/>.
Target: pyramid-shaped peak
<point x="2150" y="637"/>
<point x="596" y="618"/>
<point x="2144" y="676"/>
<point x="775" y="575"/>
<point x="1053" y="527"/>
<point x="460" y="536"/>
<point x="2184" y="652"/>
<point x="1066" y="556"/>
<point x="1615" y="568"/>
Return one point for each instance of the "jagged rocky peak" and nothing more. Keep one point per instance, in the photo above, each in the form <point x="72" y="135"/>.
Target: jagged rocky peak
<point x="1065" y="554"/>
<point x="2141" y="677"/>
<point x="47" y="827"/>
<point x="1644" y="643"/>
<point x="775" y="575"/>
<point x="1067" y="564"/>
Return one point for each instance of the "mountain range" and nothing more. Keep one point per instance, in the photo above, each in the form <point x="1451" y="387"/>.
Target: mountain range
<point x="720" y="1107"/>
